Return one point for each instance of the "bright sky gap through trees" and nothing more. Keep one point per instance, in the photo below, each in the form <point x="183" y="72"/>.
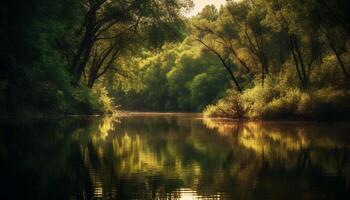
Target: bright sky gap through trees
<point x="200" y="4"/>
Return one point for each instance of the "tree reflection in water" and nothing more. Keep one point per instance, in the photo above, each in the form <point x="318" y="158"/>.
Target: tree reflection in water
<point x="174" y="157"/>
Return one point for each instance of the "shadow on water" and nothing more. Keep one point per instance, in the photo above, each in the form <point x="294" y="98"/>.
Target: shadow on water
<point x="173" y="157"/>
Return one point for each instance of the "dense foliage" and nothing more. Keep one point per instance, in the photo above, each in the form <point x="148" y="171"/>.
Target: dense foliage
<point x="180" y="78"/>
<point x="285" y="59"/>
<point x="52" y="52"/>
<point x="295" y="53"/>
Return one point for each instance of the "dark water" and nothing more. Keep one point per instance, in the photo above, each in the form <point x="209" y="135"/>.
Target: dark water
<point x="173" y="157"/>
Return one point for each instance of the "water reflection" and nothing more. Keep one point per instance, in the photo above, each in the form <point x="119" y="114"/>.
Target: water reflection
<point x="173" y="157"/>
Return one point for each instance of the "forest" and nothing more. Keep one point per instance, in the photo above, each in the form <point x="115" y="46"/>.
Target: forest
<point x="248" y="59"/>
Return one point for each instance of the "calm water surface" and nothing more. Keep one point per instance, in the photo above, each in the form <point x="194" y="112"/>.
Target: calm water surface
<point x="173" y="156"/>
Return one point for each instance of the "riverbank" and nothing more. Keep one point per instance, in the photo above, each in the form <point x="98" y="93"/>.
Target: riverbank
<point x="279" y="102"/>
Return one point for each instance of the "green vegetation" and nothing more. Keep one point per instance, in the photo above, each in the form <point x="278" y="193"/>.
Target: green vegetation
<point x="262" y="59"/>
<point x="180" y="78"/>
<point x="278" y="101"/>
<point x="297" y="54"/>
<point x="55" y="55"/>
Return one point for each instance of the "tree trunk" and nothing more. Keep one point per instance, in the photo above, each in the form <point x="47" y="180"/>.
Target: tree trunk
<point x="82" y="56"/>
<point x="92" y="76"/>
<point x="296" y="62"/>
<point x="340" y="61"/>
<point x="82" y="64"/>
<point x="257" y="50"/>
<point x="99" y="62"/>
<point x="301" y="60"/>
<point x="224" y="64"/>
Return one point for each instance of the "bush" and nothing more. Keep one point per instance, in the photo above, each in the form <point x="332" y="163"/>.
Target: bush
<point x="96" y="101"/>
<point x="306" y="106"/>
<point x="231" y="106"/>
<point x="284" y="106"/>
<point x="280" y="101"/>
<point x="105" y="101"/>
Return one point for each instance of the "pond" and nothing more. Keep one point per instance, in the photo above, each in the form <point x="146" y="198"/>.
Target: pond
<point x="173" y="156"/>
